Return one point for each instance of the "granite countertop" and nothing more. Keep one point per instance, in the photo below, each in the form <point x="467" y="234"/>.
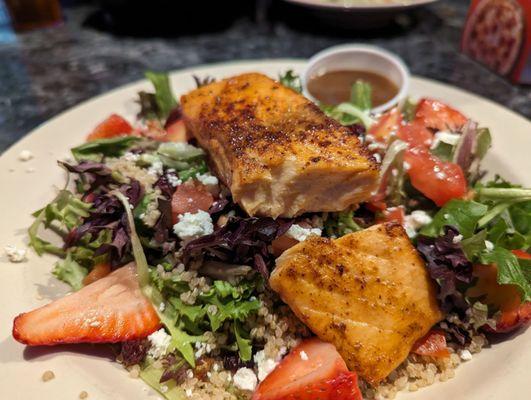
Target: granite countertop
<point x="47" y="71"/>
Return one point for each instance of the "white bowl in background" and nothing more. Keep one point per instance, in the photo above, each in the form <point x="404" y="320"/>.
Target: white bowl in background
<point x="362" y="58"/>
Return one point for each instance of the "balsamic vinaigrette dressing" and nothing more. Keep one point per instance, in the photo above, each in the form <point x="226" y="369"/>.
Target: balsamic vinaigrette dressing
<point x="333" y="87"/>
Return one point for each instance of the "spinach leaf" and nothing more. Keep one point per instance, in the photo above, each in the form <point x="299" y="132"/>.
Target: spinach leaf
<point x="97" y="149"/>
<point x="509" y="270"/>
<point x="462" y="214"/>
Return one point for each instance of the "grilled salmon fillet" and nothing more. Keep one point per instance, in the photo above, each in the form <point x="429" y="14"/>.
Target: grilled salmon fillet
<point x="368" y="293"/>
<point x="275" y="150"/>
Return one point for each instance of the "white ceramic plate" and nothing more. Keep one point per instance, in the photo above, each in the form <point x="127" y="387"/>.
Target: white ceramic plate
<point x="501" y="372"/>
<point x="362" y="5"/>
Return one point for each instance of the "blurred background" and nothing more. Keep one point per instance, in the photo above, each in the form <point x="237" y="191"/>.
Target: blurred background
<point x="57" y="53"/>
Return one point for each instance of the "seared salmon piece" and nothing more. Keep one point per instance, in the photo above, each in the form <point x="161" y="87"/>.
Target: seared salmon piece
<point x="368" y="293"/>
<point x="276" y="151"/>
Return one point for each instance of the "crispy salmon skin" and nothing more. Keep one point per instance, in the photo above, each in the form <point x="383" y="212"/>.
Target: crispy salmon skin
<point x="368" y="293"/>
<point x="279" y="154"/>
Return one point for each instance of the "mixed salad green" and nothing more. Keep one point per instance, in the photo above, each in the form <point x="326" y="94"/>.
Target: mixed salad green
<point x="208" y="278"/>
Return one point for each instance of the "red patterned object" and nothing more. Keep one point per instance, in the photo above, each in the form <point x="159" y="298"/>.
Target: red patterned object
<point x="498" y="34"/>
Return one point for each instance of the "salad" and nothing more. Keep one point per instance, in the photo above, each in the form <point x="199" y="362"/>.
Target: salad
<point x="167" y="267"/>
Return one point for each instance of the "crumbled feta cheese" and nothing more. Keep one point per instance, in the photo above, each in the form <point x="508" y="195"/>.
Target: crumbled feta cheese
<point x="188" y="392"/>
<point x="160" y="341"/>
<point x="489" y="245"/>
<point x="202" y="348"/>
<point x="445" y="137"/>
<point x="440" y="175"/>
<point x="174" y="180"/>
<point x="192" y="226"/>
<point x="377" y="157"/>
<point x="416" y="220"/>
<point x="446" y="216"/>
<point x="156" y="168"/>
<point x="303" y="355"/>
<point x="465" y="355"/>
<point x="406" y="165"/>
<point x="189" y="374"/>
<point x="14" y="254"/>
<point x="131" y="156"/>
<point x="25" y="155"/>
<point x="265" y="365"/>
<point x="299" y="233"/>
<point x="162" y="307"/>
<point x="245" y="379"/>
<point x="164" y="388"/>
<point x="457" y="239"/>
<point x="207" y="179"/>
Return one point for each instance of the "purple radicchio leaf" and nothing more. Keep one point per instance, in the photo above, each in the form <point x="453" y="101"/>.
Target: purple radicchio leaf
<point x="448" y="266"/>
<point x="464" y="152"/>
<point x="174" y="368"/>
<point x="240" y="241"/>
<point x="91" y="173"/>
<point x="163" y="184"/>
<point x="108" y="213"/>
<point x="134" y="351"/>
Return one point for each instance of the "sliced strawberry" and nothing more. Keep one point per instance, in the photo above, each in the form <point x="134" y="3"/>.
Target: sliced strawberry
<point x="111" y="310"/>
<point x="392" y="214"/>
<point x="415" y="134"/>
<point x="312" y="370"/>
<point x="113" y="126"/>
<point x="433" y="345"/>
<point x="190" y="197"/>
<point x="522" y="254"/>
<point x="439" y="116"/>
<point x="176" y="132"/>
<point x="386" y="125"/>
<point x="99" y="271"/>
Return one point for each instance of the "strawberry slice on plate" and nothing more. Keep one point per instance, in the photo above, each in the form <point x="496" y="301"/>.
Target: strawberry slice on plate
<point x="313" y="370"/>
<point x="438" y="116"/>
<point x="112" y="126"/>
<point x="112" y="309"/>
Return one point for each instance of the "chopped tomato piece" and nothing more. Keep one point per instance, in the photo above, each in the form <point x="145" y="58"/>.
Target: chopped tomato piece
<point x="312" y="370"/>
<point x="438" y="116"/>
<point x="415" y="135"/>
<point x="392" y="214"/>
<point x="99" y="271"/>
<point x="386" y="125"/>
<point x="113" y="126"/>
<point x="190" y="197"/>
<point x="505" y="298"/>
<point x="437" y="180"/>
<point x="432" y="345"/>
